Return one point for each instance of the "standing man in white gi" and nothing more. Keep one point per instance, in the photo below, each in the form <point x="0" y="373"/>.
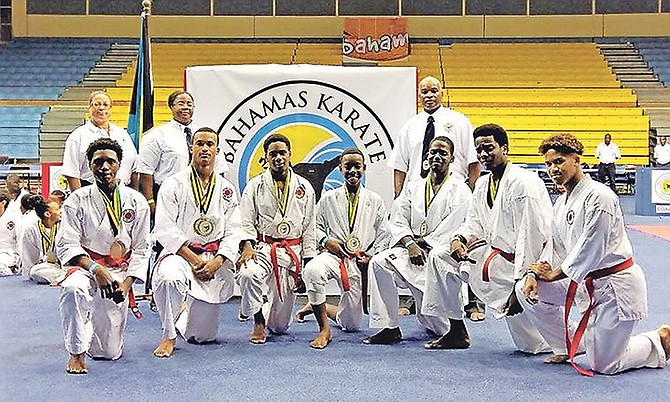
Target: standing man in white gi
<point x="505" y="231"/>
<point x="662" y="152"/>
<point x="8" y="255"/>
<point x="164" y="150"/>
<point x="590" y="247"/>
<point x="409" y="156"/>
<point x="278" y="237"/>
<point x="352" y="225"/>
<point x="75" y="166"/>
<point x="607" y="153"/>
<point x="104" y="239"/>
<point x="198" y="223"/>
<point x="424" y="216"/>
<point x="38" y="253"/>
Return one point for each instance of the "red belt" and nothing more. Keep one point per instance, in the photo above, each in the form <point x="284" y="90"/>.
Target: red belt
<point x="573" y="344"/>
<point x="286" y="245"/>
<point x="108" y="261"/>
<point x="495" y="251"/>
<point x="343" y="272"/>
<point x="198" y="248"/>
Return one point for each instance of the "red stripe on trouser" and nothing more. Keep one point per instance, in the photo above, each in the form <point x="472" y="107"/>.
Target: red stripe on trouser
<point x="573" y="344"/>
<point x="495" y="251"/>
<point x="286" y="245"/>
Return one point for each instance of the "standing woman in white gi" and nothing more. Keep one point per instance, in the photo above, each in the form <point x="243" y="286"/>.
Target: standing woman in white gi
<point x="197" y="222"/>
<point x="590" y="247"/>
<point x="352" y="225"/>
<point x="278" y="237"/>
<point x="104" y="239"/>
<point x="425" y="216"/>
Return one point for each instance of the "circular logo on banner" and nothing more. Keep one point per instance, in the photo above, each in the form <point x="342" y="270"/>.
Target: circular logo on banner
<point x="662" y="186"/>
<point x="61" y="182"/>
<point x="319" y="118"/>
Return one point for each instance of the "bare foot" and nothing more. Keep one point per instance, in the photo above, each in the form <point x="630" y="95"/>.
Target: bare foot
<point x="165" y="348"/>
<point x="664" y="332"/>
<point x="557" y="359"/>
<point x="477" y="316"/>
<point x="76" y="365"/>
<point x="303" y="312"/>
<point x="322" y="339"/>
<point x="258" y="335"/>
<point x="403" y="311"/>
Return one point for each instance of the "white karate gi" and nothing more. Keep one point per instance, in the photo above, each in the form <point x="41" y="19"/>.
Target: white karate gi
<point x="392" y="268"/>
<point x="260" y="216"/>
<point x="589" y="235"/>
<point x="518" y="224"/>
<point x="406" y="155"/>
<point x="75" y="163"/>
<point x="8" y="247"/>
<point x="173" y="279"/>
<point x="164" y="152"/>
<point x="90" y="323"/>
<point x="332" y="220"/>
<point x="34" y="264"/>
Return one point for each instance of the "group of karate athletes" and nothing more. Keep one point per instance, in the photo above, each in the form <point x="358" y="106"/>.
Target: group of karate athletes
<point x="527" y="264"/>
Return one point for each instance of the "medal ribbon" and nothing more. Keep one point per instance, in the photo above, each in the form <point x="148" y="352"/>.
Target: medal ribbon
<point x="282" y="199"/>
<point x="48" y="240"/>
<point x="113" y="208"/>
<point x="430" y="199"/>
<point x="353" y="208"/>
<point x="203" y="196"/>
<point x="493" y="188"/>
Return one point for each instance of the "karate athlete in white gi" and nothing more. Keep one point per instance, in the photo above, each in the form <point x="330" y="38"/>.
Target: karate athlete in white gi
<point x="198" y="223"/>
<point x="104" y="239"/>
<point x="423" y="217"/>
<point x="38" y="253"/>
<point x="505" y="231"/>
<point x="352" y="225"/>
<point x="75" y="166"/>
<point x="278" y="237"/>
<point x="590" y="247"/>
<point x="8" y="253"/>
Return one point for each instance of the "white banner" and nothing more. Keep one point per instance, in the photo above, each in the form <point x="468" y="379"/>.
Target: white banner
<point x="322" y="109"/>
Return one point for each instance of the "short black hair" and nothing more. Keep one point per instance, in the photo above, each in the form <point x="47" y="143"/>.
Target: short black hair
<point x="104" y="143"/>
<point x="205" y="130"/>
<point x="444" y="139"/>
<point x="499" y="134"/>
<point x="4" y="197"/>
<point x="276" y="137"/>
<point x="352" y="151"/>
<point x="41" y="206"/>
<point x="173" y="97"/>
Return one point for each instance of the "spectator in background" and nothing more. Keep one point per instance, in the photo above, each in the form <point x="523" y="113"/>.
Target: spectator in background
<point x="15" y="192"/>
<point x="607" y="153"/>
<point x="662" y="152"/>
<point x="75" y="166"/>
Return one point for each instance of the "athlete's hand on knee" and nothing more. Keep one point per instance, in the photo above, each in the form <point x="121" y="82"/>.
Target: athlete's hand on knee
<point x="531" y="289"/>
<point x="105" y="282"/>
<point x="458" y="250"/>
<point x="247" y="253"/>
<point x="416" y="254"/>
<point x="335" y="247"/>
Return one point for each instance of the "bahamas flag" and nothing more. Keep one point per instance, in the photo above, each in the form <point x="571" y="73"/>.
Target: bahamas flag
<point x="141" y="116"/>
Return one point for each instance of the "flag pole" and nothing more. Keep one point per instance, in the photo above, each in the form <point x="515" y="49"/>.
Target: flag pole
<point x="140" y="116"/>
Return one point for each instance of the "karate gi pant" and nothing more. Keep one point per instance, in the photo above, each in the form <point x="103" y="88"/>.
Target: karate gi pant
<point x="256" y="278"/>
<point x="443" y="296"/>
<point x="46" y="272"/>
<point x="186" y="306"/>
<point x="325" y="267"/>
<point x="389" y="270"/>
<point x="90" y="323"/>
<point x="7" y="262"/>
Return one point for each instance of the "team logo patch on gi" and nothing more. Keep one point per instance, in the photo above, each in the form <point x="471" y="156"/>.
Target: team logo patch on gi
<point x="300" y="192"/>
<point x="10" y="225"/>
<point x="227" y="193"/>
<point x="128" y="215"/>
<point x="570" y="217"/>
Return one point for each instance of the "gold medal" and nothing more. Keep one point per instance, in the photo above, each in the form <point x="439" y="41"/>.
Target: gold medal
<point x="283" y="228"/>
<point x="423" y="230"/>
<point x="51" y="258"/>
<point x="353" y="244"/>
<point x="117" y="250"/>
<point x="203" y="226"/>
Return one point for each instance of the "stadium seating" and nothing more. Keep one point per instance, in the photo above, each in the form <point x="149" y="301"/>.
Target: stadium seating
<point x="19" y="131"/>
